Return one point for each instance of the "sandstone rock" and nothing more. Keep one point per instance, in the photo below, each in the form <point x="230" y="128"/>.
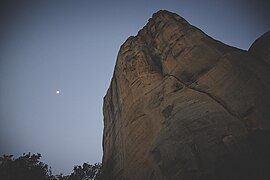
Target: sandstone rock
<point x="261" y="47"/>
<point x="184" y="106"/>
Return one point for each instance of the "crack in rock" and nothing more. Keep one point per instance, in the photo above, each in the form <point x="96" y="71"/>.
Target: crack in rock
<point x="216" y="99"/>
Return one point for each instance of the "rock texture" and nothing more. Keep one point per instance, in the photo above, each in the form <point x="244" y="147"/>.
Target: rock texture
<point x="184" y="106"/>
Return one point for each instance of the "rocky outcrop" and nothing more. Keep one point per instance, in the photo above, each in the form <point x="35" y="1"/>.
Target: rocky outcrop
<point x="261" y="47"/>
<point x="184" y="106"/>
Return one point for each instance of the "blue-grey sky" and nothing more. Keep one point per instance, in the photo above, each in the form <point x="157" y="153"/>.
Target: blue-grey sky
<point x="71" y="46"/>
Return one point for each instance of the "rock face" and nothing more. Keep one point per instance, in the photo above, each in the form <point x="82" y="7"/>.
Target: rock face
<point x="184" y="106"/>
<point x="261" y="47"/>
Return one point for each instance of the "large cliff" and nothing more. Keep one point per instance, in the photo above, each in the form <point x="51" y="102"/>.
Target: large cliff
<point x="184" y="106"/>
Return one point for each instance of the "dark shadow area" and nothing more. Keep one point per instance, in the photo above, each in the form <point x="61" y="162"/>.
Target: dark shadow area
<point x="251" y="165"/>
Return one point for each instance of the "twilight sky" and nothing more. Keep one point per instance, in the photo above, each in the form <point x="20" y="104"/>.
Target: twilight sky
<point x="71" y="46"/>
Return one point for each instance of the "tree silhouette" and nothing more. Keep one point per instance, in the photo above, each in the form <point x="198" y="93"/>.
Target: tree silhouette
<point x="25" y="167"/>
<point x="86" y="172"/>
<point x="31" y="168"/>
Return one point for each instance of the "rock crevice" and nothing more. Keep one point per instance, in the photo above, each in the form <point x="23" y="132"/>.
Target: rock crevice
<point x="216" y="99"/>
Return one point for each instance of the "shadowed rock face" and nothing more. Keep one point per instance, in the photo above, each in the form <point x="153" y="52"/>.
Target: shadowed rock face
<point x="184" y="106"/>
<point x="261" y="47"/>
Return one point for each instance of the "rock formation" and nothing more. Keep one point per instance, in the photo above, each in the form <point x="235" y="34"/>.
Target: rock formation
<point x="184" y="106"/>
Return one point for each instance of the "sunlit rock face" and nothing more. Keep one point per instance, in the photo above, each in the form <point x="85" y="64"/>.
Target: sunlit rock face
<point x="184" y="106"/>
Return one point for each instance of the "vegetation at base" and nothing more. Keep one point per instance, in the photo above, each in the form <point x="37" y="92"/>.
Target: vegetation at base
<point x="28" y="166"/>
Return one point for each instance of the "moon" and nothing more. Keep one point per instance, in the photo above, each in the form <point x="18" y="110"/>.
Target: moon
<point x="57" y="92"/>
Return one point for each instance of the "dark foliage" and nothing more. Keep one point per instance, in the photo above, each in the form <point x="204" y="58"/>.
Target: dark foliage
<point x="25" y="167"/>
<point x="84" y="172"/>
<point x="31" y="168"/>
